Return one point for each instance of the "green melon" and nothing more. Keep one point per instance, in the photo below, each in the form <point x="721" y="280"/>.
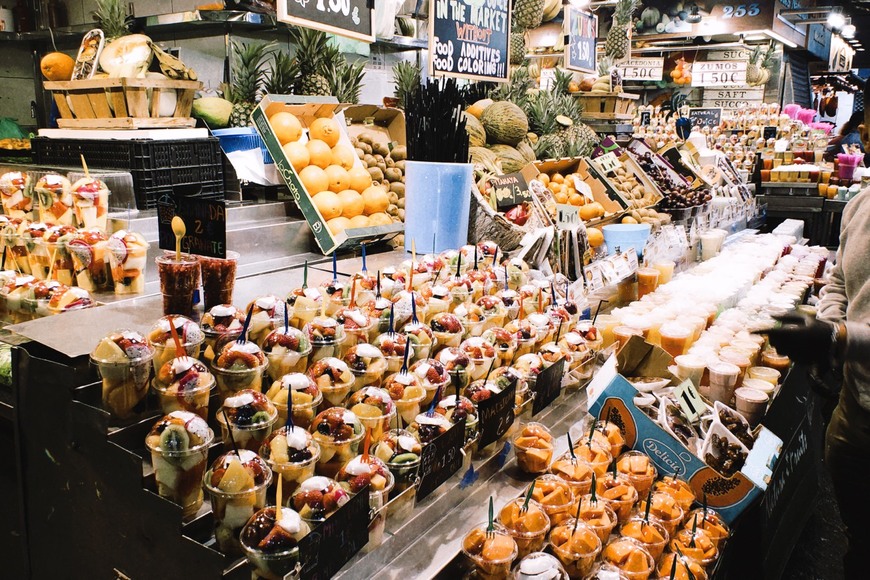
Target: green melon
<point x="504" y="123"/>
<point x="476" y="133"/>
<point x="511" y="160"/>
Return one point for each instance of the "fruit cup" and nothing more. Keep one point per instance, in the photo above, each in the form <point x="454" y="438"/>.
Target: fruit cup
<point x="491" y="553"/>
<point x="695" y="544"/>
<point x="160" y="338"/>
<point x="407" y="394"/>
<point x="374" y="408"/>
<point x="686" y="568"/>
<point x="306" y="398"/>
<point x="248" y="418"/>
<point x="556" y="496"/>
<point x="123" y="360"/>
<point x="400" y="450"/>
<point x="218" y="278"/>
<point x="292" y="455"/>
<point x="664" y="509"/>
<point x="367" y="365"/>
<point x="576" y="472"/>
<point x="539" y="565"/>
<point x="527" y="524"/>
<point x="640" y="471"/>
<point x="339" y="433"/>
<point x="534" y="448"/>
<point x="128" y="258"/>
<point x="287" y="351"/>
<point x="223" y="320"/>
<point x="619" y="492"/>
<point x="651" y="534"/>
<point x="598" y="515"/>
<point x="632" y="559"/>
<point x="325" y="336"/>
<point x="271" y="547"/>
<point x="711" y="522"/>
<point x="577" y="546"/>
<point x="333" y="378"/>
<point x="433" y="376"/>
<point x="189" y="387"/>
<point x="239" y="366"/>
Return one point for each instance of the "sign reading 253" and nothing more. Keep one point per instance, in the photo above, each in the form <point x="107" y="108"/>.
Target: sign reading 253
<point x="741" y="10"/>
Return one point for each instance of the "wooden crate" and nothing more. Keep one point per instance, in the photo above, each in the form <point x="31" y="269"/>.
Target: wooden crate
<point x="121" y="103"/>
<point x="608" y="106"/>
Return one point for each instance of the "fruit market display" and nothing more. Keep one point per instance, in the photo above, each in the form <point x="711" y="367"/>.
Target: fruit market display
<point x="682" y="73"/>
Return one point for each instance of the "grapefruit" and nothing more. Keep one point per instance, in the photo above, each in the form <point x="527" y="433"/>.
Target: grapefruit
<point x="328" y="204"/>
<point x="314" y="179"/>
<point x="359" y="221"/>
<point x="286" y="127"/>
<point x="57" y="66"/>
<point x="352" y="203"/>
<point x="325" y="129"/>
<point x="344" y="156"/>
<point x="338" y="178"/>
<point x="375" y="199"/>
<point x="360" y="178"/>
<point x="380" y="219"/>
<point x="297" y="155"/>
<point x="337" y="225"/>
<point x="595" y="237"/>
<point x="591" y="211"/>
<point x="320" y="153"/>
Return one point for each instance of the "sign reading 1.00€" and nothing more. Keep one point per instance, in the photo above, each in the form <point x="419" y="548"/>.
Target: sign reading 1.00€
<point x="469" y="39"/>
<point x="580" y="46"/>
<point x="351" y="18"/>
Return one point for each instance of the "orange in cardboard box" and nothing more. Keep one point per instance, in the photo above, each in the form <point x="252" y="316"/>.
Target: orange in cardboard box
<point x="297" y="155"/>
<point x="360" y="179"/>
<point x="338" y="178"/>
<point x="344" y="156"/>
<point x="352" y="203"/>
<point x="375" y="199"/>
<point x="328" y="204"/>
<point x="314" y="179"/>
<point x="325" y="129"/>
<point x="286" y="127"/>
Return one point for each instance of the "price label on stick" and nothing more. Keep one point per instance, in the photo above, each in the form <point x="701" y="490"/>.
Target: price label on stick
<point x="496" y="415"/>
<point x="690" y="401"/>
<point x="510" y="189"/>
<point x="440" y="459"/>
<point x="608" y="162"/>
<point x="567" y="216"/>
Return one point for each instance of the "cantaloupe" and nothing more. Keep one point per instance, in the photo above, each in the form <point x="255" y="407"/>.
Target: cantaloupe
<point x="504" y="123"/>
<point x="476" y="133"/>
<point x="510" y="159"/>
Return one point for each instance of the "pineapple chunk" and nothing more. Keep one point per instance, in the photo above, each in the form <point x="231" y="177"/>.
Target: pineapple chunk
<point x="236" y="478"/>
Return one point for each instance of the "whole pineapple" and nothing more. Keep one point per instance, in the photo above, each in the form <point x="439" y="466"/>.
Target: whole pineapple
<point x="314" y="55"/>
<point x="578" y="140"/>
<point x="249" y="71"/>
<point x="517" y="47"/>
<point x="527" y="14"/>
<point x="283" y="75"/>
<point x="113" y="18"/>
<point x="617" y="42"/>
<point x="406" y="77"/>
<point x="345" y="81"/>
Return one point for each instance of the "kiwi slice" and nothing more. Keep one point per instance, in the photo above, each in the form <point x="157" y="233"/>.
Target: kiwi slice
<point x="260" y="417"/>
<point x="405" y="458"/>
<point x="174" y="438"/>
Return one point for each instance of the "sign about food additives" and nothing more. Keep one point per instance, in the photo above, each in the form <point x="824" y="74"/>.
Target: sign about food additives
<point x="351" y="18"/>
<point x="469" y="39"/>
<point x="580" y="45"/>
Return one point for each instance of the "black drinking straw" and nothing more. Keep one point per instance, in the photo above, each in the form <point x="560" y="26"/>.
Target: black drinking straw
<point x="414" y="318"/>
<point x="3" y="264"/>
<point x="334" y="268"/>
<point x="305" y="276"/>
<point x="286" y="320"/>
<point x="559" y="330"/>
<point x="648" y="505"/>
<point x="230" y="431"/>
<point x="392" y="328"/>
<point x="378" y="285"/>
<point x="495" y="257"/>
<point x="529" y="493"/>
<point x="598" y="309"/>
<point x="289" y="423"/>
<point x="571" y="448"/>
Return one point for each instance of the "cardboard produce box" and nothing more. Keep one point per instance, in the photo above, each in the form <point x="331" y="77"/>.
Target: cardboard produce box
<point x="385" y="124"/>
<point x="580" y="166"/>
<point x="652" y="192"/>
<point x="306" y="113"/>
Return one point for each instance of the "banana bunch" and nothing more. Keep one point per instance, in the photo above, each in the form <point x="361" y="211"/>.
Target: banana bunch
<point x="172" y="67"/>
<point x="551" y="9"/>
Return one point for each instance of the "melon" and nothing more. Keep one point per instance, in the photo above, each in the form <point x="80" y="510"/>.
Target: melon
<point x="505" y="123"/>
<point x="483" y="158"/>
<point x="526" y="151"/>
<point x="511" y="160"/>
<point x="476" y="134"/>
<point x="476" y="110"/>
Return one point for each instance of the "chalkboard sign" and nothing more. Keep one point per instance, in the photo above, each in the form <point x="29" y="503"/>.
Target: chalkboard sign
<point x="548" y="386"/>
<point x="705" y="116"/>
<point x="351" y="18"/>
<point x="580" y="42"/>
<point x="645" y="118"/>
<point x="496" y="415"/>
<point x="334" y="542"/>
<point x="440" y="459"/>
<point x="510" y="189"/>
<point x="469" y="39"/>
<point x="205" y="220"/>
<point x="770" y="133"/>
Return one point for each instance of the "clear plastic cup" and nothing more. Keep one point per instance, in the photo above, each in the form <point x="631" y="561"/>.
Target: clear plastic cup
<point x="751" y="403"/>
<point x="232" y="509"/>
<point x="666" y="270"/>
<point x="598" y="515"/>
<point x="491" y="553"/>
<point x="685" y="566"/>
<point x="528" y="527"/>
<point x="179" y="473"/>
<point x="770" y="358"/>
<point x="640" y="471"/>
<point x="647" y="281"/>
<point x="619" y="492"/>
<point x="576" y="546"/>
<point x="595" y="454"/>
<point x="576" y="472"/>
<point x="622" y="334"/>
<point x="555" y="495"/>
<point x="279" y="564"/>
<point x="665" y="509"/>
<point x="283" y="358"/>
<point x="738" y="358"/>
<point x="675" y="338"/>
<point x="125" y="383"/>
<point x="677" y="489"/>
<point x="230" y="381"/>
<point x="767" y="374"/>
<point x="632" y="559"/>
<point x="650" y="534"/>
<point x="179" y="280"/>
<point x="247" y="436"/>
<point x="218" y="278"/>
<point x="307" y="398"/>
<point x="723" y="379"/>
<point x="282" y="458"/>
<point x="695" y="544"/>
<point x="193" y="399"/>
<point x="711" y="522"/>
<point x="128" y="259"/>
<point x="534" y="447"/>
<point x="336" y="448"/>
<point x="690" y="367"/>
<point x="375" y="410"/>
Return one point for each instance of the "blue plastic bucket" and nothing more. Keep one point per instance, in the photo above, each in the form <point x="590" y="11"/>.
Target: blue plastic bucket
<point x="624" y="236"/>
<point x="437" y="202"/>
<point x="242" y="139"/>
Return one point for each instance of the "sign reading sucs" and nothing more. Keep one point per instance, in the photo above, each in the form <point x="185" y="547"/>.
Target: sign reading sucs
<point x="469" y="39"/>
<point x="733" y="98"/>
<point x="718" y="73"/>
<point x="351" y="18"/>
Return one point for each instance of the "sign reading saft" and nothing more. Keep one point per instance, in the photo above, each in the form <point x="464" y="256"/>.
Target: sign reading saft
<point x="351" y="18"/>
<point x="469" y="39"/>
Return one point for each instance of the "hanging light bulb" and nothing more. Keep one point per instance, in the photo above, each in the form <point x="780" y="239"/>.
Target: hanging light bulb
<point x="848" y="31"/>
<point x="836" y="20"/>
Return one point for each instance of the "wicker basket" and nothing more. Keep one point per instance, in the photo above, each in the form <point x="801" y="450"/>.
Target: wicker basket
<point x="484" y="223"/>
<point x="607" y="106"/>
<point x="121" y="103"/>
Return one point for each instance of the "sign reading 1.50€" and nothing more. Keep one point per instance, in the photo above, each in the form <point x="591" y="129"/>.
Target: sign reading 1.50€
<point x="351" y="18"/>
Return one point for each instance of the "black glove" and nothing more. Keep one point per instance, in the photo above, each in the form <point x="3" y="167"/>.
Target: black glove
<point x="803" y="338"/>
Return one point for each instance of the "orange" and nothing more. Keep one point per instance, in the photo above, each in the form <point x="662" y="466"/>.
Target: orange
<point x="286" y="127"/>
<point x="297" y="155"/>
<point x="314" y="179"/>
<point x="577" y="199"/>
<point x="338" y="178"/>
<point x="557" y="178"/>
<point x="338" y="224"/>
<point x="321" y="154"/>
<point x="595" y="237"/>
<point x="360" y="178"/>
<point x="376" y="200"/>
<point x="380" y="219"/>
<point x="57" y="66"/>
<point x="543" y="178"/>
<point x="629" y="220"/>
<point x="344" y="156"/>
<point x="591" y="211"/>
<point x="561" y="197"/>
<point x="352" y="203"/>
<point x="325" y="129"/>
<point x="359" y="221"/>
<point x="328" y="204"/>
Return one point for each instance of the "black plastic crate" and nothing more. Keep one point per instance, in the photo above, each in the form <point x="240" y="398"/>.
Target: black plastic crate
<point x="156" y="166"/>
<point x="208" y="191"/>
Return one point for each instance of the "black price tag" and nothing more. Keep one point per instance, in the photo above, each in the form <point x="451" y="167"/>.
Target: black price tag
<point x="705" y="116"/>
<point x="548" y="386"/>
<point x="469" y="39"/>
<point x="496" y="415"/>
<point x="770" y="133"/>
<point x="510" y="190"/>
<point x="351" y="18"/>
<point x="645" y="118"/>
<point x="334" y="542"/>
<point x="440" y="459"/>
<point x="205" y="220"/>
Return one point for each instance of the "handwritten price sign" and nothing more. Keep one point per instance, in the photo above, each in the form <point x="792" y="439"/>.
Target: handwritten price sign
<point x="582" y="35"/>
<point x="351" y="18"/>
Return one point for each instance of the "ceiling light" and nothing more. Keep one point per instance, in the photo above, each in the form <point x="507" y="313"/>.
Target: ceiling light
<point x="836" y="20"/>
<point x="848" y="31"/>
<point x="860" y="49"/>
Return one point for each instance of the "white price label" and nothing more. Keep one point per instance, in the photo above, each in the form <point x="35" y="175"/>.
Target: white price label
<point x="643" y="69"/>
<point x="718" y="73"/>
<point x="608" y="162"/>
<point x="690" y="401"/>
<point x="567" y="216"/>
<point x="594" y="278"/>
<point x="631" y="258"/>
<point x="548" y="77"/>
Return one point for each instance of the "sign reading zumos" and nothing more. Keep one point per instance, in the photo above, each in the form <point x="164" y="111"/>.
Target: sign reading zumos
<point x="351" y="18"/>
<point x="469" y="39"/>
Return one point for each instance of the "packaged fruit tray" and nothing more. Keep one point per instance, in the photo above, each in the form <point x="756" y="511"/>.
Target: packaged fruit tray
<point x="317" y="161"/>
<point x="123" y="103"/>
